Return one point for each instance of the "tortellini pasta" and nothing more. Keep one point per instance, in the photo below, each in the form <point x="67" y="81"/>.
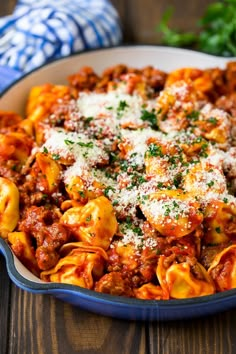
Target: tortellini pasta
<point x="182" y="280"/>
<point x="223" y="269"/>
<point x="220" y="222"/>
<point x="201" y="79"/>
<point x="77" y="268"/>
<point x="9" y="206"/>
<point x="50" y="171"/>
<point x="23" y="248"/>
<point x="150" y="291"/>
<point x="94" y="223"/>
<point x="16" y="146"/>
<point x="172" y="212"/>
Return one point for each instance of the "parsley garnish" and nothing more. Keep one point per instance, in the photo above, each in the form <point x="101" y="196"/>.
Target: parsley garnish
<point x="141" y="179"/>
<point x="150" y="117"/>
<point x="202" y="152"/>
<point x="56" y="156"/>
<point x="88" y="120"/>
<point x="177" y="180"/>
<point x="167" y="211"/>
<point x="122" y="105"/>
<point x="121" y="108"/>
<point x="154" y="150"/>
<point x="210" y="184"/>
<point x="145" y="197"/>
<point x="212" y="120"/>
<point x="107" y="189"/>
<point x="68" y="142"/>
<point x="194" y="115"/>
<point x="175" y="204"/>
<point x="124" y="165"/>
<point x="137" y="230"/>
<point x="81" y="193"/>
<point x="88" y="145"/>
<point x="89" y="218"/>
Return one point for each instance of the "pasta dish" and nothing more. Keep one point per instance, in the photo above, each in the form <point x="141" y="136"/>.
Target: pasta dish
<point x="124" y="183"/>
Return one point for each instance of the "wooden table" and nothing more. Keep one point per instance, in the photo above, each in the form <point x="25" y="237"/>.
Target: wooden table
<point x="40" y="324"/>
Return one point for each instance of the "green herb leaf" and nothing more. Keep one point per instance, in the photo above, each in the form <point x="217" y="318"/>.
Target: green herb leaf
<point x="56" y="157"/>
<point x="173" y="37"/>
<point x="215" y="30"/>
<point x="88" y="145"/>
<point x="68" y="142"/>
<point x="154" y="150"/>
<point x="151" y="117"/>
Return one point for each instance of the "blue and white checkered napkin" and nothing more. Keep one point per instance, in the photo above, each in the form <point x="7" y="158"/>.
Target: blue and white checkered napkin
<point x="41" y="30"/>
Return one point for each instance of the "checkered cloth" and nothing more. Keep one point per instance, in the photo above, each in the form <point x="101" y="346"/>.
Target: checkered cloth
<point x="42" y="30"/>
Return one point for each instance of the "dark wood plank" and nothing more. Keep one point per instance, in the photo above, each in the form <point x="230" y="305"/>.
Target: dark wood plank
<point x="41" y="324"/>
<point x="140" y="17"/>
<point x="4" y="305"/>
<point x="7" y="6"/>
<point x="210" y="335"/>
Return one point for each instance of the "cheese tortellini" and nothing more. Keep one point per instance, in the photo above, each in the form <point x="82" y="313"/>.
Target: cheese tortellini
<point x="94" y="223"/>
<point x="9" y="206"/>
<point x="172" y="212"/>
<point x="184" y="280"/>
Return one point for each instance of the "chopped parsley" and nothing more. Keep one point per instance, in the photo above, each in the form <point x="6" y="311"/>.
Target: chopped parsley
<point x="124" y="165"/>
<point x="154" y="150"/>
<point x="177" y="180"/>
<point x="81" y="193"/>
<point x="56" y="157"/>
<point x="150" y="117"/>
<point x="137" y="230"/>
<point x="68" y="142"/>
<point x="203" y="152"/>
<point x="88" y="120"/>
<point x="88" y="218"/>
<point x="167" y="211"/>
<point x="194" y="116"/>
<point x="211" y="183"/>
<point x="212" y="120"/>
<point x="107" y="190"/>
<point x="88" y="145"/>
<point x="121" y="107"/>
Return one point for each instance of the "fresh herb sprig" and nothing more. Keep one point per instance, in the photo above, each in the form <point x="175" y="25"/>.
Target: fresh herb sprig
<point x="215" y="30"/>
<point x="173" y="37"/>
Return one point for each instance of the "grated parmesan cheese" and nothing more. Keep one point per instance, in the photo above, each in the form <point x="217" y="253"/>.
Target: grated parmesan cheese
<point x="109" y="105"/>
